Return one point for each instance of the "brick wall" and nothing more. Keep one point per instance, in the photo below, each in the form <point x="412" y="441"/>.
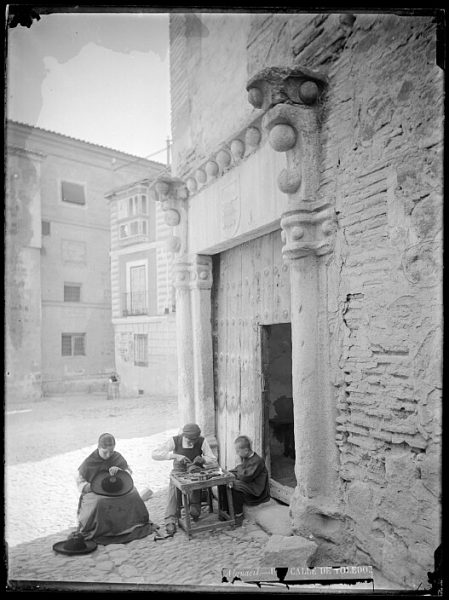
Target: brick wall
<point x="382" y="144"/>
<point x="381" y="164"/>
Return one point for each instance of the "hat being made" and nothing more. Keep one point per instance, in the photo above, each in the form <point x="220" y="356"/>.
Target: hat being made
<point x="75" y="544"/>
<point x="191" y="431"/>
<point x="112" y="485"/>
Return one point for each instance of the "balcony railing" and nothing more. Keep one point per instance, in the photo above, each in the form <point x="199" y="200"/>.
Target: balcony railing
<point x="133" y="230"/>
<point x="135" y="303"/>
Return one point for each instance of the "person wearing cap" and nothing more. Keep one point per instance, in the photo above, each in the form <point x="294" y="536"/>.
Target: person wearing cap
<point x="187" y="450"/>
<point x="110" y="509"/>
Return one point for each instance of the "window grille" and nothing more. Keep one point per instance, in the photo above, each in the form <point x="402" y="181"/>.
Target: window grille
<point x="72" y="292"/>
<point x="73" y="344"/>
<point x="141" y="350"/>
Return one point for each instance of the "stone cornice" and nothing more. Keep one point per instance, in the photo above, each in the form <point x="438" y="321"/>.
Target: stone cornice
<point x="18" y="151"/>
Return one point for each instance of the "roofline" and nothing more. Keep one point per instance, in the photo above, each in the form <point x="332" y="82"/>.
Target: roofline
<point x="110" y="193"/>
<point x="97" y="146"/>
<point x="143" y="181"/>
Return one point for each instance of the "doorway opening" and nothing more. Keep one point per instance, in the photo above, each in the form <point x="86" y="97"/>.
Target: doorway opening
<point x="279" y="437"/>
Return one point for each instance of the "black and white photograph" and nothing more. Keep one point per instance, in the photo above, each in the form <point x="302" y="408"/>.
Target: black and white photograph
<point x="223" y="292"/>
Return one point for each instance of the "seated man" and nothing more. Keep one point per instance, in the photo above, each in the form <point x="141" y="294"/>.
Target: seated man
<point x="187" y="449"/>
<point x="251" y="485"/>
<point x="108" y="518"/>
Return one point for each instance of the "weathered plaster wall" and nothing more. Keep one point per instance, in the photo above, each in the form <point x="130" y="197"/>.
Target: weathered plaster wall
<point x="381" y="164"/>
<point x="23" y="360"/>
<point x="206" y="106"/>
<point x="159" y="377"/>
<point x="76" y="250"/>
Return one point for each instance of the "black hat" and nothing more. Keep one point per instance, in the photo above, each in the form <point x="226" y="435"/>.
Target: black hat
<point x="75" y="544"/>
<point x="112" y="485"/>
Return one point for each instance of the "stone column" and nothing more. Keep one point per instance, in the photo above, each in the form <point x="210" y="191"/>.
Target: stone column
<point x="291" y="99"/>
<point x="172" y="193"/>
<point x="201" y="284"/>
<point x="193" y="283"/>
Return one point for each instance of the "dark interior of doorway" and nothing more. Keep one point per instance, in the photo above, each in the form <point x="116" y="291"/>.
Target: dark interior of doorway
<point x="278" y="403"/>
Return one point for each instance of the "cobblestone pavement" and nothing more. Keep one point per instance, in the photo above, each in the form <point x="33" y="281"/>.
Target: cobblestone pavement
<point x="41" y="500"/>
<point x="41" y="510"/>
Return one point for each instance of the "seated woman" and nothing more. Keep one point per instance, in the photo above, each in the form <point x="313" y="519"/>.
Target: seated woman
<point x="119" y="515"/>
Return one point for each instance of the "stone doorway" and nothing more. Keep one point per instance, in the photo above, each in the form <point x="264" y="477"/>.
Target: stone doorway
<point x="279" y="440"/>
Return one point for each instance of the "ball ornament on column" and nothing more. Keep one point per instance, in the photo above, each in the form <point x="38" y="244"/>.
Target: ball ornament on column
<point x="223" y="159"/>
<point x="172" y="217"/>
<point x="309" y="92"/>
<point x="252" y="137"/>
<point x="200" y="176"/>
<point x="289" y="181"/>
<point x="192" y="185"/>
<point x="282" y="137"/>
<point x="297" y="233"/>
<point x="255" y="97"/>
<point x="237" y="149"/>
<point x="211" y="169"/>
<point x="162" y="188"/>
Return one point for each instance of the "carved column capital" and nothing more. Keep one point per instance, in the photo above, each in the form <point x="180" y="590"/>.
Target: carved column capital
<point x="291" y="100"/>
<point x="308" y="230"/>
<point x="193" y="272"/>
<point x="172" y="193"/>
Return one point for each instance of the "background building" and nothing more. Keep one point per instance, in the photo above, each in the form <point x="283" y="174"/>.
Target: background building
<point x="307" y="187"/>
<point x="143" y="301"/>
<point x="59" y="337"/>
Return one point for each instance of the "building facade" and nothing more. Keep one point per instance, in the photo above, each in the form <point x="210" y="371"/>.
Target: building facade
<point x="59" y="336"/>
<point x="143" y="302"/>
<point x="306" y="202"/>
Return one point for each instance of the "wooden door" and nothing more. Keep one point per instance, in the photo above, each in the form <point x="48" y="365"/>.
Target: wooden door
<point x="251" y="288"/>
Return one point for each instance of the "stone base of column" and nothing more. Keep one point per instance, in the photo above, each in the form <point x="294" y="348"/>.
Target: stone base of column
<point x="320" y="519"/>
<point x="319" y="516"/>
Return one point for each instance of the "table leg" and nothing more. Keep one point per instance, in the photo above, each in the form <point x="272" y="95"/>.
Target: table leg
<point x="186" y="500"/>
<point x="209" y="496"/>
<point x="178" y="503"/>
<point x="230" y="503"/>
